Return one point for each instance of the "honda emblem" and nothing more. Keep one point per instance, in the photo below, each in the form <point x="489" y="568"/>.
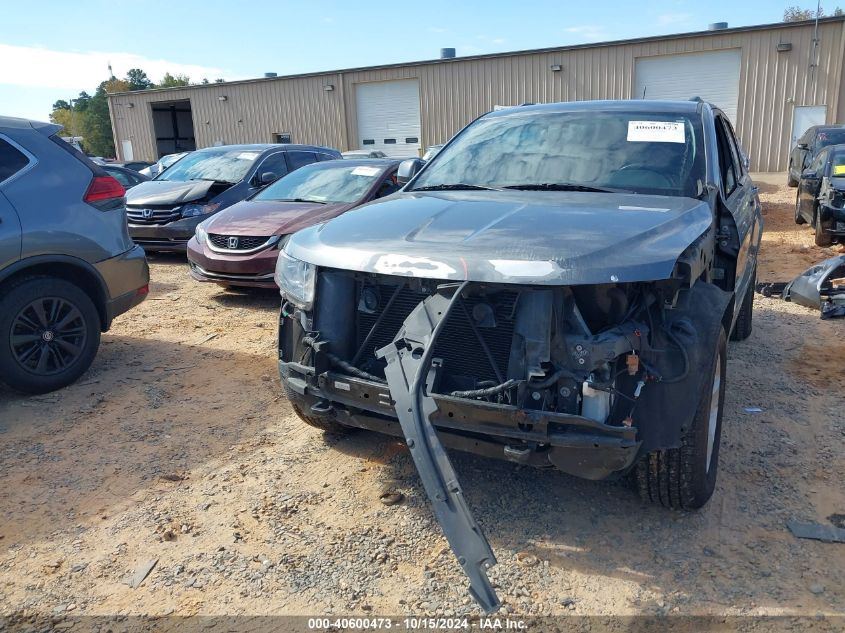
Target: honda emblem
<point x="147" y="213"/>
<point x="233" y="242"/>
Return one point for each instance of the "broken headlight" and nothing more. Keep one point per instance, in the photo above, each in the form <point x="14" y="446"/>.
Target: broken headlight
<point x="192" y="210"/>
<point x="296" y="280"/>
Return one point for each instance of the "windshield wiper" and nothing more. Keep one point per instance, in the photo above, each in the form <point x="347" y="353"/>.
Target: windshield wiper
<point x="300" y="200"/>
<point x="458" y="186"/>
<point x="564" y="186"/>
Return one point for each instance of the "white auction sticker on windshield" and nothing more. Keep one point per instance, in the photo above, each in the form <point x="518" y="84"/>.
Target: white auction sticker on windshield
<point x="247" y="155"/>
<point x="655" y="132"/>
<point x="365" y="171"/>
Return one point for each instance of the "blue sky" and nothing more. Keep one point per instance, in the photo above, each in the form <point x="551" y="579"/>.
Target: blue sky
<point x="69" y="47"/>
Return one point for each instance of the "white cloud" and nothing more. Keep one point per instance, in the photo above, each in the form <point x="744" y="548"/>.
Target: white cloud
<point x="670" y="19"/>
<point x="76" y="71"/>
<point x="436" y="29"/>
<point x="498" y="40"/>
<point x="587" y="32"/>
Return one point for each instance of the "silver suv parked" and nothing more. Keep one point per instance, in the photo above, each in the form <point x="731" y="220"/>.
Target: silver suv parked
<point x="67" y="263"/>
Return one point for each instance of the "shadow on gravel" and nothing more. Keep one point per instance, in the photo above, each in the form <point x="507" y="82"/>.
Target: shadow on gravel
<point x="261" y="298"/>
<point x="146" y="414"/>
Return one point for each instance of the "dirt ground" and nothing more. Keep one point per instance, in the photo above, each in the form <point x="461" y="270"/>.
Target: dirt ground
<point x="178" y="447"/>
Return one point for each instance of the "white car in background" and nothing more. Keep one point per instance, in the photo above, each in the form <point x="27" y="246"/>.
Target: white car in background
<point x="163" y="163"/>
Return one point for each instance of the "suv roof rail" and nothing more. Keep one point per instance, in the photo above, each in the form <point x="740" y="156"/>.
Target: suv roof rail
<point x="697" y="99"/>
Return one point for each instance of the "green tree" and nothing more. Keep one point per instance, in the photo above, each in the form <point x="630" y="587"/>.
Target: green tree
<point x="797" y="14"/>
<point x="61" y="104"/>
<point x="169" y="81"/>
<point x="138" y="80"/>
<point x="219" y="81"/>
<point x="73" y="122"/>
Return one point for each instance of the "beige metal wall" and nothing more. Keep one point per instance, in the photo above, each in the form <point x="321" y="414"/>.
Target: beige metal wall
<point x="453" y="93"/>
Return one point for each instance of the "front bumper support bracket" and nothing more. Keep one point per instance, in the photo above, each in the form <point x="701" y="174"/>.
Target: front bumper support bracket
<point x="409" y="374"/>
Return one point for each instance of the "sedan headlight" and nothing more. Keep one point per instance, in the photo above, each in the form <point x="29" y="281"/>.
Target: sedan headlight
<point x="296" y="280"/>
<point x="192" y="210"/>
<point x="201" y="234"/>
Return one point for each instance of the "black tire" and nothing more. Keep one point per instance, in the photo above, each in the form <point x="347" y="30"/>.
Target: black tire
<point x="326" y="423"/>
<point x="799" y="219"/>
<point x="743" y="325"/>
<point x="823" y="237"/>
<point x="56" y="331"/>
<point x="790" y="181"/>
<point x="684" y="478"/>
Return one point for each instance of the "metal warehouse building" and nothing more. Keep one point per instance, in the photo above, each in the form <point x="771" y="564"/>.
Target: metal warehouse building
<point x="773" y="81"/>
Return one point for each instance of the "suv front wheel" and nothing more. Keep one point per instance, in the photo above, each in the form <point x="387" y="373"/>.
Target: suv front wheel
<point x="49" y="334"/>
<point x="685" y="477"/>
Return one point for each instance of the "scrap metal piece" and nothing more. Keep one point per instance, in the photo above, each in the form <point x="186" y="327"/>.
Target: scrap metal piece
<point x="409" y="359"/>
<point x="816" y="531"/>
<point x="141" y="573"/>
<point x="808" y="288"/>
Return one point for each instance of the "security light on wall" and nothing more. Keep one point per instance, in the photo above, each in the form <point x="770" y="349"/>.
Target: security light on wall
<point x="555" y="68"/>
<point x="222" y="98"/>
<point x="328" y="87"/>
<point x="130" y="105"/>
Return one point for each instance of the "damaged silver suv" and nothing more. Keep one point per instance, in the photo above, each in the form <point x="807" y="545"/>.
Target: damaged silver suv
<point x="555" y="288"/>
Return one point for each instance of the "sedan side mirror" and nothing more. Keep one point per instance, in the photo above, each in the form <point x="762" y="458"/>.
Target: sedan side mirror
<point x="808" y="173"/>
<point x="408" y="169"/>
<point x="267" y="177"/>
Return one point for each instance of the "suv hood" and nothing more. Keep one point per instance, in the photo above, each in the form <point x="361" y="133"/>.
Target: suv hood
<point x="271" y="217"/>
<point x="554" y="238"/>
<point x="156" y="192"/>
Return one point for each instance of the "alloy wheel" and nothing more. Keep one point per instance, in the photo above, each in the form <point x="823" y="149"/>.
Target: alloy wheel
<point x="48" y="336"/>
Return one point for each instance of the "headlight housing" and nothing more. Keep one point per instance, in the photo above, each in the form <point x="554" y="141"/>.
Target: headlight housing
<point x="296" y="280"/>
<point x="192" y="209"/>
<point x="200" y="233"/>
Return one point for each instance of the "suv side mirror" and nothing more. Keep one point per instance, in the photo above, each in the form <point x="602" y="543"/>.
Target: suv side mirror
<point x="266" y="178"/>
<point x="408" y="169"/>
<point x="803" y="146"/>
<point x="808" y="173"/>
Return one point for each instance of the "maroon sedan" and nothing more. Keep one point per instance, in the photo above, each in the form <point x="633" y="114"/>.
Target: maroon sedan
<point x="239" y="246"/>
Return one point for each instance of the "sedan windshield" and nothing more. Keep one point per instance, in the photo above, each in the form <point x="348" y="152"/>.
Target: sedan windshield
<point x="655" y="153"/>
<point x="219" y="165"/>
<point x="325" y="183"/>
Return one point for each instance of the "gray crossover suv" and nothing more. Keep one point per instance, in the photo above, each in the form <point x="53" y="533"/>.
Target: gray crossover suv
<point x="67" y="263"/>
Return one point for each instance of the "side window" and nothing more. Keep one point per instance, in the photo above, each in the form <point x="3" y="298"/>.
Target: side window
<point x="274" y="163"/>
<point x="300" y="159"/>
<point x="12" y="160"/>
<point x="388" y="186"/>
<point x="326" y="157"/>
<point x="122" y="178"/>
<point x="736" y="152"/>
<point x="727" y="168"/>
<point x="819" y="161"/>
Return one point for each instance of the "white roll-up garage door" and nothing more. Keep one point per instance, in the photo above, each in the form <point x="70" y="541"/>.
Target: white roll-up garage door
<point x="389" y="117"/>
<point x="712" y="75"/>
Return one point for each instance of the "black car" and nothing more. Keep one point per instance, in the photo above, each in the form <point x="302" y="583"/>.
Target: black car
<point x="555" y="287"/>
<point x="821" y="196"/>
<point x="163" y="213"/>
<point x="125" y="176"/>
<point x="809" y="145"/>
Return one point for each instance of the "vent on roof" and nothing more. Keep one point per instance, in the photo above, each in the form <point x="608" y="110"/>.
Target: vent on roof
<point x="717" y="26"/>
<point x="447" y="53"/>
<point x="270" y="75"/>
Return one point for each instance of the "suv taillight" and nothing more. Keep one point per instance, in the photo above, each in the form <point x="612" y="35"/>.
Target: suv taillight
<point x="103" y="188"/>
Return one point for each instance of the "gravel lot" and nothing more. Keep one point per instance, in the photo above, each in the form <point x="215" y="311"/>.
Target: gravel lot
<point x="177" y="446"/>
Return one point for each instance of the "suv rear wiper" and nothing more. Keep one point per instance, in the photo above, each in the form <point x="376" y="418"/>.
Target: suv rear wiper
<point x="564" y="186"/>
<point x="458" y="186"/>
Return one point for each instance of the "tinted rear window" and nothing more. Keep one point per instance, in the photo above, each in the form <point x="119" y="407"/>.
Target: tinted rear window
<point x="830" y="137"/>
<point x="12" y="160"/>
